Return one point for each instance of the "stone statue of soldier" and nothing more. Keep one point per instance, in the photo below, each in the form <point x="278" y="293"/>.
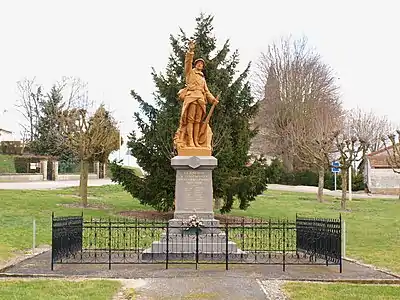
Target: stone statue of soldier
<point x="194" y="95"/>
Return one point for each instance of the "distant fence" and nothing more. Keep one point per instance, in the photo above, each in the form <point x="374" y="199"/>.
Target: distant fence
<point x="72" y="167"/>
<point x="302" y="241"/>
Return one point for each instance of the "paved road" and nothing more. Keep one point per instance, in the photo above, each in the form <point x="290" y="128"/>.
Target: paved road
<point x="50" y="185"/>
<point x="338" y="193"/>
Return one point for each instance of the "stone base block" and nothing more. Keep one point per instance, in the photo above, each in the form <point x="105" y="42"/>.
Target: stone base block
<point x="185" y="246"/>
<point x="190" y="257"/>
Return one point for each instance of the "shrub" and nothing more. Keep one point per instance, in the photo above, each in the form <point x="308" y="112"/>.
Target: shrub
<point x="276" y="174"/>
<point x="12" y="147"/>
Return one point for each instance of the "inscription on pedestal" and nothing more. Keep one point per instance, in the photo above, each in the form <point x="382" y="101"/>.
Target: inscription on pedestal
<point x="194" y="190"/>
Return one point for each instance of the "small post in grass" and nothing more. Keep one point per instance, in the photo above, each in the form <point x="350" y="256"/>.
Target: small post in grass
<point x="344" y="238"/>
<point x="34" y="236"/>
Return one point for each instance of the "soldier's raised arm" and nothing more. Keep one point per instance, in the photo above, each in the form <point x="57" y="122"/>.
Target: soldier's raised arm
<point x="189" y="58"/>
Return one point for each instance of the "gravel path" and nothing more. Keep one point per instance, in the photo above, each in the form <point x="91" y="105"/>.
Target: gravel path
<point x="272" y="289"/>
<point x="41" y="265"/>
<point x="202" y="287"/>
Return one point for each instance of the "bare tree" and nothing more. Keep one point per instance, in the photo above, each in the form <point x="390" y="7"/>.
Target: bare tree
<point x="75" y="92"/>
<point x="291" y="76"/>
<point x="31" y="98"/>
<point x="392" y="147"/>
<point x="90" y="137"/>
<point x="28" y="104"/>
<point x="350" y="149"/>
<point x="369" y="127"/>
<point x="393" y="150"/>
<point x="313" y="138"/>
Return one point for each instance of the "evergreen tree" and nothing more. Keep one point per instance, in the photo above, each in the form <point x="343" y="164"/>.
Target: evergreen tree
<point x="50" y="140"/>
<point x="234" y="176"/>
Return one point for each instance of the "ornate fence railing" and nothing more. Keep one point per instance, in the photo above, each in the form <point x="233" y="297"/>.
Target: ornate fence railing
<point x="66" y="237"/>
<point x="241" y="241"/>
<point x="320" y="238"/>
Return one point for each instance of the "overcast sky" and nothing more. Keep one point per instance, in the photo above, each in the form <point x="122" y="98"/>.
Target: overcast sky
<point x="113" y="44"/>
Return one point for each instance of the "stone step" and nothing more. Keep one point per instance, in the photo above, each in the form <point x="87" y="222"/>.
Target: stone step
<point x="148" y="255"/>
<point x="190" y="246"/>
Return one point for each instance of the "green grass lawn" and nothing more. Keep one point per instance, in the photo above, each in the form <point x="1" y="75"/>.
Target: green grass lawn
<point x="7" y="164"/>
<point x="58" y="289"/>
<point x="321" y="291"/>
<point x="373" y="225"/>
<point x="19" y="208"/>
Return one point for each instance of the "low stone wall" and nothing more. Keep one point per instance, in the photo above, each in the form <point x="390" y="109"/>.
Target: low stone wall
<point x="65" y="177"/>
<point x="384" y="181"/>
<point x="20" y="177"/>
<point x="386" y="191"/>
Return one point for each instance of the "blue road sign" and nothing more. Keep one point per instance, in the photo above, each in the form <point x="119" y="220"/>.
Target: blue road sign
<point x="336" y="166"/>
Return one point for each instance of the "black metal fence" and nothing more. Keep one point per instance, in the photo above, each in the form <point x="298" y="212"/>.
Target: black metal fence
<point x="132" y="241"/>
<point x="66" y="237"/>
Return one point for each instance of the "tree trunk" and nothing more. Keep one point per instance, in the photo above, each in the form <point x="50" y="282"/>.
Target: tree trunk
<point x="84" y="182"/>
<point x="344" y="188"/>
<point x="217" y="203"/>
<point x="321" y="181"/>
<point x="287" y="160"/>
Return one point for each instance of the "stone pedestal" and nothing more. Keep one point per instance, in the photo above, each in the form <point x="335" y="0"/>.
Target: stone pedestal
<point x="193" y="196"/>
<point x="193" y="191"/>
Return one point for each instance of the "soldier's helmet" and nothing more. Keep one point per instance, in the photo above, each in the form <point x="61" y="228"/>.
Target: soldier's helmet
<point x="200" y="59"/>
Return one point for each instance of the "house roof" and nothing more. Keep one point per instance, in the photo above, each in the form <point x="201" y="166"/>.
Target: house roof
<point x="379" y="151"/>
<point x="380" y="158"/>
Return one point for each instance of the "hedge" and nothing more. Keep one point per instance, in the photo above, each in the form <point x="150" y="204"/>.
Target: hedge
<point x="12" y="147"/>
<point x="276" y="174"/>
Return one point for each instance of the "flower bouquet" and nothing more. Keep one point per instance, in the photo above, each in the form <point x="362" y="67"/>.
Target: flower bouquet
<point x="193" y="225"/>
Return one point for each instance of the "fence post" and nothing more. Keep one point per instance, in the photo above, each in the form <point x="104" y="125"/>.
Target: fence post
<point x="197" y="247"/>
<point x="326" y="242"/>
<point x="167" y="254"/>
<point x="109" y="243"/>
<point x="243" y="249"/>
<point x="52" y="241"/>
<point x="284" y="245"/>
<point x="269" y="238"/>
<point x="226" y="246"/>
<point x="34" y="236"/>
<point x="343" y="238"/>
<point x="342" y="241"/>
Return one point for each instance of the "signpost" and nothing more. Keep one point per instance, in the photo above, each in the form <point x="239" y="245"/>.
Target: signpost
<point x="335" y="169"/>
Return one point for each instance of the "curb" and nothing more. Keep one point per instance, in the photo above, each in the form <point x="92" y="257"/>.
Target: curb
<point x="16" y="275"/>
<point x="19" y="259"/>
<point x="385" y="271"/>
<point x="350" y="281"/>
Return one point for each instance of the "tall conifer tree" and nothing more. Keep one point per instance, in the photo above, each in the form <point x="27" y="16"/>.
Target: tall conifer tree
<point x="153" y="148"/>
